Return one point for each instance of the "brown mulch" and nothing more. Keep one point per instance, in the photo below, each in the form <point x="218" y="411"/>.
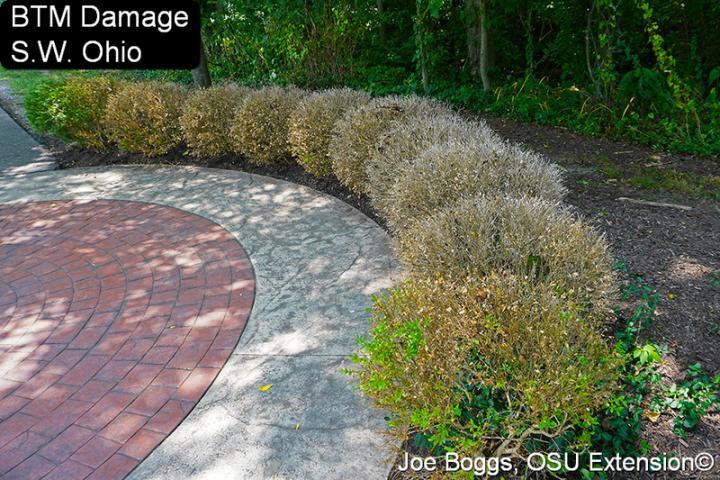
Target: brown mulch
<point x="676" y="251"/>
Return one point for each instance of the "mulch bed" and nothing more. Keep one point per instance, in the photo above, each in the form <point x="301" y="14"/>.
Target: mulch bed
<point x="676" y="251"/>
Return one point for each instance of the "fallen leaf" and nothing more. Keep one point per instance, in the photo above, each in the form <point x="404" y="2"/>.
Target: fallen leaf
<point x="265" y="388"/>
<point x="297" y="426"/>
<point x="653" y="416"/>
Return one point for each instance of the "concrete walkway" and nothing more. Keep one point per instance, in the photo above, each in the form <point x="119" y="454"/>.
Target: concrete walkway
<point x="317" y="262"/>
<point x="19" y="152"/>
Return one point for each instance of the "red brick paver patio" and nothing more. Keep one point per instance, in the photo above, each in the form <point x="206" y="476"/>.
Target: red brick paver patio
<point x="115" y="317"/>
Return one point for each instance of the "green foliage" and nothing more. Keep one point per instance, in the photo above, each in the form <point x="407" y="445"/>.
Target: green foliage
<point x="22" y="82"/>
<point x="666" y="179"/>
<point x="690" y="400"/>
<point x="648" y="88"/>
<point x="642" y="394"/>
<point x="260" y="41"/>
<point x="656" y="123"/>
<point x="714" y="279"/>
<point x="39" y="105"/>
<point x="495" y="366"/>
<point x="72" y="108"/>
<point x="666" y="61"/>
<point x="645" y="70"/>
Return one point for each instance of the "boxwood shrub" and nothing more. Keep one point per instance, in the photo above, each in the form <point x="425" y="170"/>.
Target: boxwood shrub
<point x="73" y="109"/>
<point x="144" y="117"/>
<point x="397" y="149"/>
<point x="527" y="236"/>
<point x="358" y="131"/>
<point x="311" y="126"/>
<point x="489" y="366"/>
<point x="493" y="345"/>
<point x="207" y="118"/>
<point x="260" y="127"/>
<point x="450" y="170"/>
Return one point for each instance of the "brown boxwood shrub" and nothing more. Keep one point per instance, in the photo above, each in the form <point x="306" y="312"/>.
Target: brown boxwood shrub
<point x="207" y="118"/>
<point x="260" y="127"/>
<point x="483" y="366"/>
<point x="397" y="149"/>
<point x="447" y="171"/>
<point x="312" y="123"/>
<point x="73" y="109"/>
<point x="357" y="132"/>
<point x="144" y="117"/>
<point x="526" y="236"/>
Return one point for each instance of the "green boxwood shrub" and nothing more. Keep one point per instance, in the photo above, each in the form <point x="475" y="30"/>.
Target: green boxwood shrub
<point x="73" y="109"/>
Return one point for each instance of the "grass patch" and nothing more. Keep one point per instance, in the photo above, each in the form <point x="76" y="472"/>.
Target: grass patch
<point x="22" y="82"/>
<point x="664" y="179"/>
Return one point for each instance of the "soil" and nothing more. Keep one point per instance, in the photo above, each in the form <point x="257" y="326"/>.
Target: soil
<point x="565" y="146"/>
<point x="676" y="251"/>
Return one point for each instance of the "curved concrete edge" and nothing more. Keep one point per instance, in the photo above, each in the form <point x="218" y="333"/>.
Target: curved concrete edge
<point x="317" y="262"/>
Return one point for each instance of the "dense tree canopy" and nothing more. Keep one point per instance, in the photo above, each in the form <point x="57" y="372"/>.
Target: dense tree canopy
<point x="594" y="65"/>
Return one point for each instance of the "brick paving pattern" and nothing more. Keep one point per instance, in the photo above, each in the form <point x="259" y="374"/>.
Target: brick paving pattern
<point x="115" y="317"/>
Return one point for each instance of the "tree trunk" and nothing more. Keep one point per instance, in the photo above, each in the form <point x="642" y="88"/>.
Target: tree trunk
<point x="484" y="47"/>
<point x="478" y="48"/>
<point x="381" y="22"/>
<point x="420" y="41"/>
<point x="472" y="30"/>
<point x="201" y="73"/>
<point x="423" y="65"/>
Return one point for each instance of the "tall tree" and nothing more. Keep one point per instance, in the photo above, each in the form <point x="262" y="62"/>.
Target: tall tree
<point x="477" y="40"/>
<point x="201" y="73"/>
<point x="420" y="26"/>
<point x="382" y="30"/>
